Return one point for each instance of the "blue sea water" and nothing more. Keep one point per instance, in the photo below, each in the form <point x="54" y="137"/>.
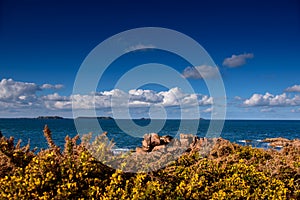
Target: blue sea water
<point x="234" y="130"/>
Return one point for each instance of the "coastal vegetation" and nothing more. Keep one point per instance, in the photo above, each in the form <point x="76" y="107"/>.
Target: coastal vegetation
<point x="78" y="171"/>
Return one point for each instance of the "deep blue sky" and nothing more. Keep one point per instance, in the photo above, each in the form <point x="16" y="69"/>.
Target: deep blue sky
<point x="46" y="42"/>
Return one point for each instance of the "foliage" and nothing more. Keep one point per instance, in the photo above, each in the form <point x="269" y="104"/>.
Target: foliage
<point x="229" y="171"/>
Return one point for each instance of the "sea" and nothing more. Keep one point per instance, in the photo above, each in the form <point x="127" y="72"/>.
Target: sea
<point x="244" y="132"/>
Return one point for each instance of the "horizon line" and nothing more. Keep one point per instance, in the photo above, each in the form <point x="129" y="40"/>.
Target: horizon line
<point x="144" y="118"/>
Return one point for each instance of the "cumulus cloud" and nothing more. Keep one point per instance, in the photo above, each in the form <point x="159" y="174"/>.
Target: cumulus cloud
<point x="13" y="90"/>
<point x="55" y="97"/>
<point x="237" y="60"/>
<point x="272" y="100"/>
<point x="200" y="72"/>
<point x="205" y="100"/>
<point x="20" y="96"/>
<point x="17" y="94"/>
<point x="146" y="96"/>
<point x="175" y="97"/>
<point x="132" y="98"/>
<point x="294" y="88"/>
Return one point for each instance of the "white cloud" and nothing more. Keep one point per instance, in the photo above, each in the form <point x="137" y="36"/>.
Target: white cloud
<point x="55" y="97"/>
<point x="139" y="47"/>
<point x="113" y="93"/>
<point x="205" y="100"/>
<point x="133" y="99"/>
<point x="175" y="97"/>
<point x="294" y="88"/>
<point x="238" y="98"/>
<point x="200" y="72"/>
<point x="272" y="100"/>
<point x="22" y="97"/>
<point x="208" y="110"/>
<point x="237" y="60"/>
<point x="91" y="101"/>
<point x="297" y="110"/>
<point x="49" y="86"/>
<point x="11" y="90"/>
<point x="145" y="95"/>
<point x="267" y="110"/>
<point x="16" y="94"/>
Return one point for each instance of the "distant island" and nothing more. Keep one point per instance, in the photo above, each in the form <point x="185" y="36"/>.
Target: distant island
<point x="144" y="118"/>
<point x="49" y="117"/>
<point x="101" y="118"/>
<point x="105" y="118"/>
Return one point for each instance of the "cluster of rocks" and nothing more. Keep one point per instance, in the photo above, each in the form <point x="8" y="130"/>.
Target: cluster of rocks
<point x="282" y="142"/>
<point x="153" y="142"/>
<point x="188" y="142"/>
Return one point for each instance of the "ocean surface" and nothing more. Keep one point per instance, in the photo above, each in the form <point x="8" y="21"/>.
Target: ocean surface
<point x="234" y="130"/>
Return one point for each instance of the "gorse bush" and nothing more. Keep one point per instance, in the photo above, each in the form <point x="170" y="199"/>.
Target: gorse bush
<point x="229" y="171"/>
<point x="51" y="174"/>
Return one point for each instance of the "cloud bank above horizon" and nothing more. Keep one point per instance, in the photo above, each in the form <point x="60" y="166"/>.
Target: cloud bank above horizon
<point x="22" y="98"/>
<point x="29" y="96"/>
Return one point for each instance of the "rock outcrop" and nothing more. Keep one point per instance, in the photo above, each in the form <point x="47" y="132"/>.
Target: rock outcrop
<point x="153" y="142"/>
<point x="187" y="142"/>
<point x="282" y="142"/>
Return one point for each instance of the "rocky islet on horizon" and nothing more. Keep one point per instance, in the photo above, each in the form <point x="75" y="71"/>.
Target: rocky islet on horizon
<point x="49" y="117"/>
